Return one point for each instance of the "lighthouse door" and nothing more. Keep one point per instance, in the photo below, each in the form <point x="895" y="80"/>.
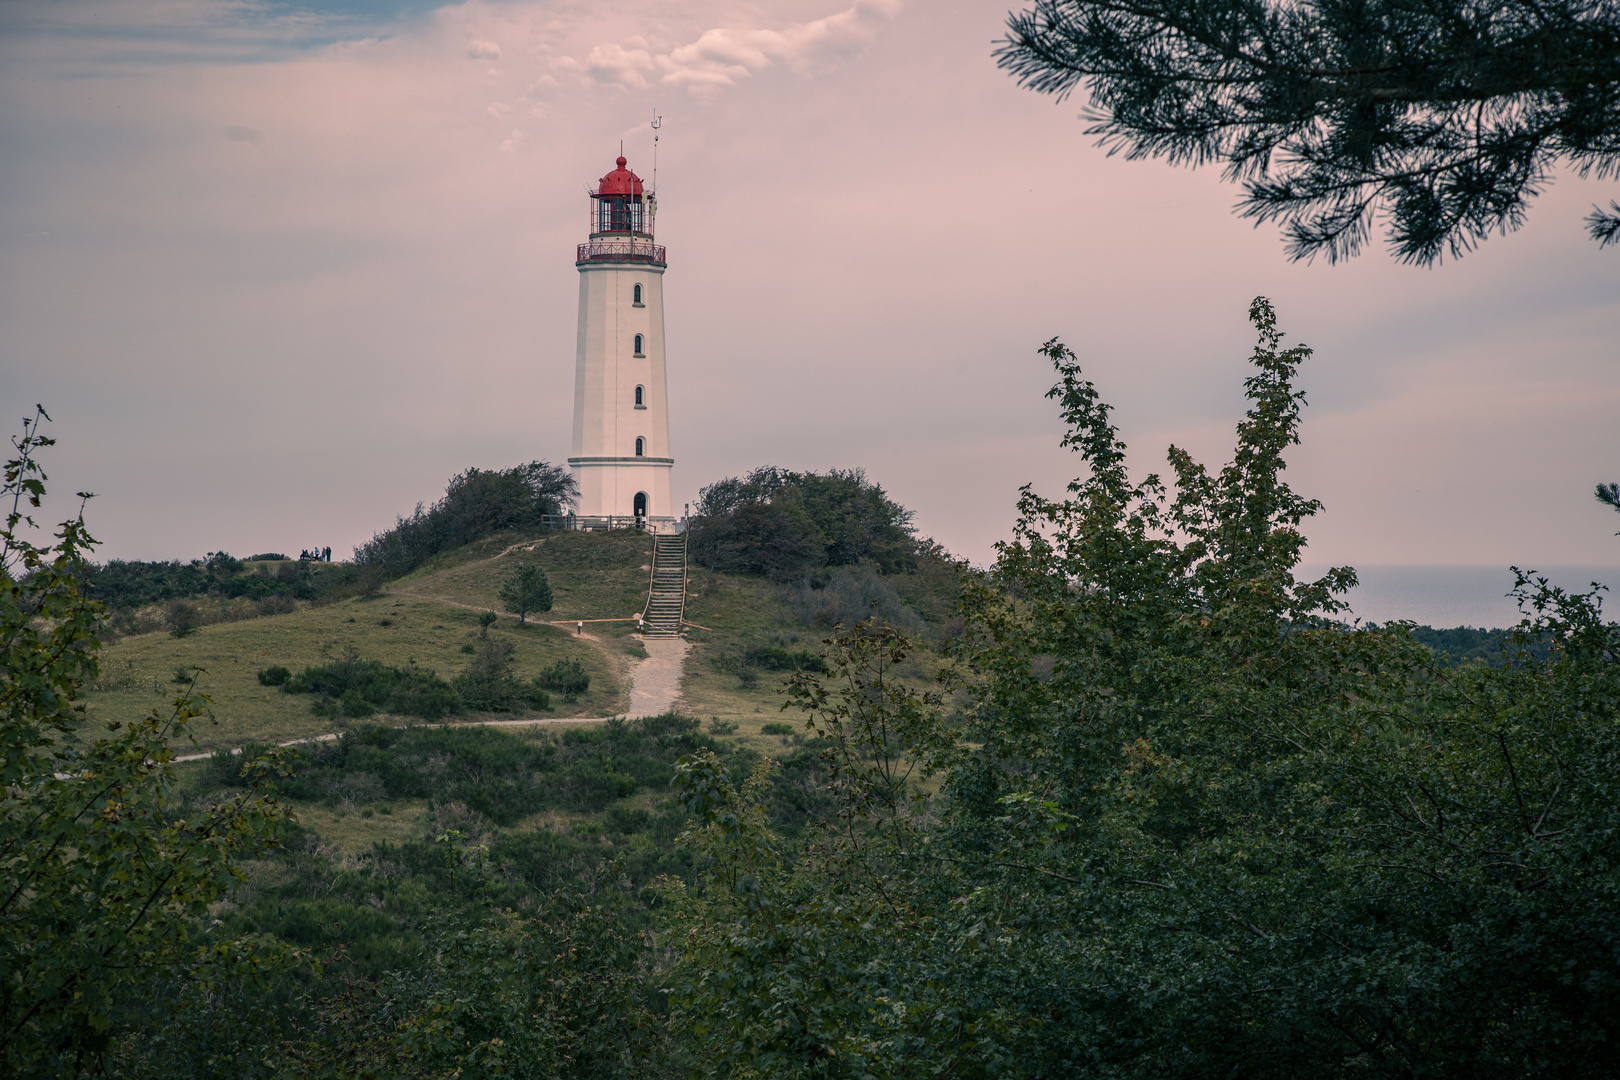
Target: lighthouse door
<point x="641" y="504"/>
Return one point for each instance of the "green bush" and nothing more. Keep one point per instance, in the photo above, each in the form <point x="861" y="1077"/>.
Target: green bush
<point x="274" y="676"/>
<point x="488" y="685"/>
<point x="776" y="729"/>
<point x="776" y="658"/>
<point x="181" y="617"/>
<point x="848" y="595"/>
<point x="361" y="687"/>
<point x="355" y="704"/>
<point x="567" y="677"/>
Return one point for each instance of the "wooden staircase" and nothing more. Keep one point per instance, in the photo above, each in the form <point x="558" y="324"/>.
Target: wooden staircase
<point x="666" y="595"/>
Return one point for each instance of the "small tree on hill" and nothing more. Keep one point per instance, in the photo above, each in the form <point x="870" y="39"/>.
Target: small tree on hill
<point x="182" y="618"/>
<point x="526" y="590"/>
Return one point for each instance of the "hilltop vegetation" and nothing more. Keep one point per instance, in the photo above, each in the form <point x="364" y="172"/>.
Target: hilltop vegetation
<point x="476" y="504"/>
<point x="786" y="525"/>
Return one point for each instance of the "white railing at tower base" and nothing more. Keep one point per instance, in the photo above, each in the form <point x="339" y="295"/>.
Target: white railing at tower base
<point x="598" y="523"/>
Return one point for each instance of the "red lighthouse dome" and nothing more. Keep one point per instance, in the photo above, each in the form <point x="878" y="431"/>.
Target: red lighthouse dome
<point x="621" y="181"/>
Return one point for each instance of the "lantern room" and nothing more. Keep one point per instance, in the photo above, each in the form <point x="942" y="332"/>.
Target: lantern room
<point x="620" y="206"/>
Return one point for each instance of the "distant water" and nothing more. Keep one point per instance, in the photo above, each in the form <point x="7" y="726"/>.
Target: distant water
<point x="1448" y="596"/>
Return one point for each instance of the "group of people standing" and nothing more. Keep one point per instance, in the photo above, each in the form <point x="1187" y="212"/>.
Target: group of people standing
<point x="315" y="555"/>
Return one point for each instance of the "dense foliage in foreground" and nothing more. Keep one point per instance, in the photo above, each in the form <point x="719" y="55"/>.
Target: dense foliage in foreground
<point x="1166" y="817"/>
<point x="104" y="880"/>
<point x="1188" y="826"/>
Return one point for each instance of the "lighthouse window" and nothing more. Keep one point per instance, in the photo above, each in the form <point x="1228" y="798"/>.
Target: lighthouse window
<point x="638" y="345"/>
<point x="637" y="294"/>
<point x="641" y="446"/>
<point x="640" y="404"/>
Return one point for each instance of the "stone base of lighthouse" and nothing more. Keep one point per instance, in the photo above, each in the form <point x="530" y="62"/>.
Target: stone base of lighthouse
<point x="620" y="487"/>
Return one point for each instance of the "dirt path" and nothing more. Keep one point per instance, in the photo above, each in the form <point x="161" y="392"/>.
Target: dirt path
<point x="655" y="683"/>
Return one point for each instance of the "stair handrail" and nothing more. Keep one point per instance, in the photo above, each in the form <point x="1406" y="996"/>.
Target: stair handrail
<point x="681" y="622"/>
<point x="652" y="578"/>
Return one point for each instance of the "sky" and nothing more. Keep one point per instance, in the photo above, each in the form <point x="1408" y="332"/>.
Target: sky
<point x="278" y="271"/>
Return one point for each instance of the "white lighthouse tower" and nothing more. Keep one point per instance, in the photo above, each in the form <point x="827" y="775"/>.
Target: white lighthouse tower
<point x="621" y="455"/>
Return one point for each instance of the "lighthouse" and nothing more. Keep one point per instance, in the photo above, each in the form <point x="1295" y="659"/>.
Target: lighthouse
<point x="620" y="455"/>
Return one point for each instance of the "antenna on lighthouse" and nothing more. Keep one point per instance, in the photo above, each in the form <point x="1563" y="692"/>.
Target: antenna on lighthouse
<point x="657" y="122"/>
<point x="652" y="201"/>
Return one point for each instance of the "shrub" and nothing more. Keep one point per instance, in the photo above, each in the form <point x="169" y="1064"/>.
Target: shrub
<point x="274" y="556"/>
<point x="488" y="684"/>
<point x="851" y="594"/>
<point x="776" y="658"/>
<point x="355" y="704"/>
<point x="274" y="676"/>
<point x="736" y="663"/>
<point x="277" y="605"/>
<point x="567" y="677"/>
<point x="360" y="687"/>
<point x="776" y="729"/>
<point x="181" y="617"/>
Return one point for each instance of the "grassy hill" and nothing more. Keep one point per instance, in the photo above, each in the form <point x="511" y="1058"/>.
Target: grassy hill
<point x="430" y="618"/>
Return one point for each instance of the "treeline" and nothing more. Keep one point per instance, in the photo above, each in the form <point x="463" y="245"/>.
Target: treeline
<point x="476" y="503"/>
<point x="143" y="597"/>
<point x="1471" y="645"/>
<point x="122" y="584"/>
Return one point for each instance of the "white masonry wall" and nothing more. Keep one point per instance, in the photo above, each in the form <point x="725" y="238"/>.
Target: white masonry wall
<point x="606" y="374"/>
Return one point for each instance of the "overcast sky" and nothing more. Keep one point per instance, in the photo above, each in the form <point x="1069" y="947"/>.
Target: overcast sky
<point x="278" y="272"/>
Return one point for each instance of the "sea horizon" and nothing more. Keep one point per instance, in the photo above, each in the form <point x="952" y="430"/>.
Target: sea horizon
<point x="1450" y="595"/>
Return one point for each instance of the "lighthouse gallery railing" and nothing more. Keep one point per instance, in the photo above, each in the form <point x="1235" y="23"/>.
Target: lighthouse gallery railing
<point x="634" y="250"/>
